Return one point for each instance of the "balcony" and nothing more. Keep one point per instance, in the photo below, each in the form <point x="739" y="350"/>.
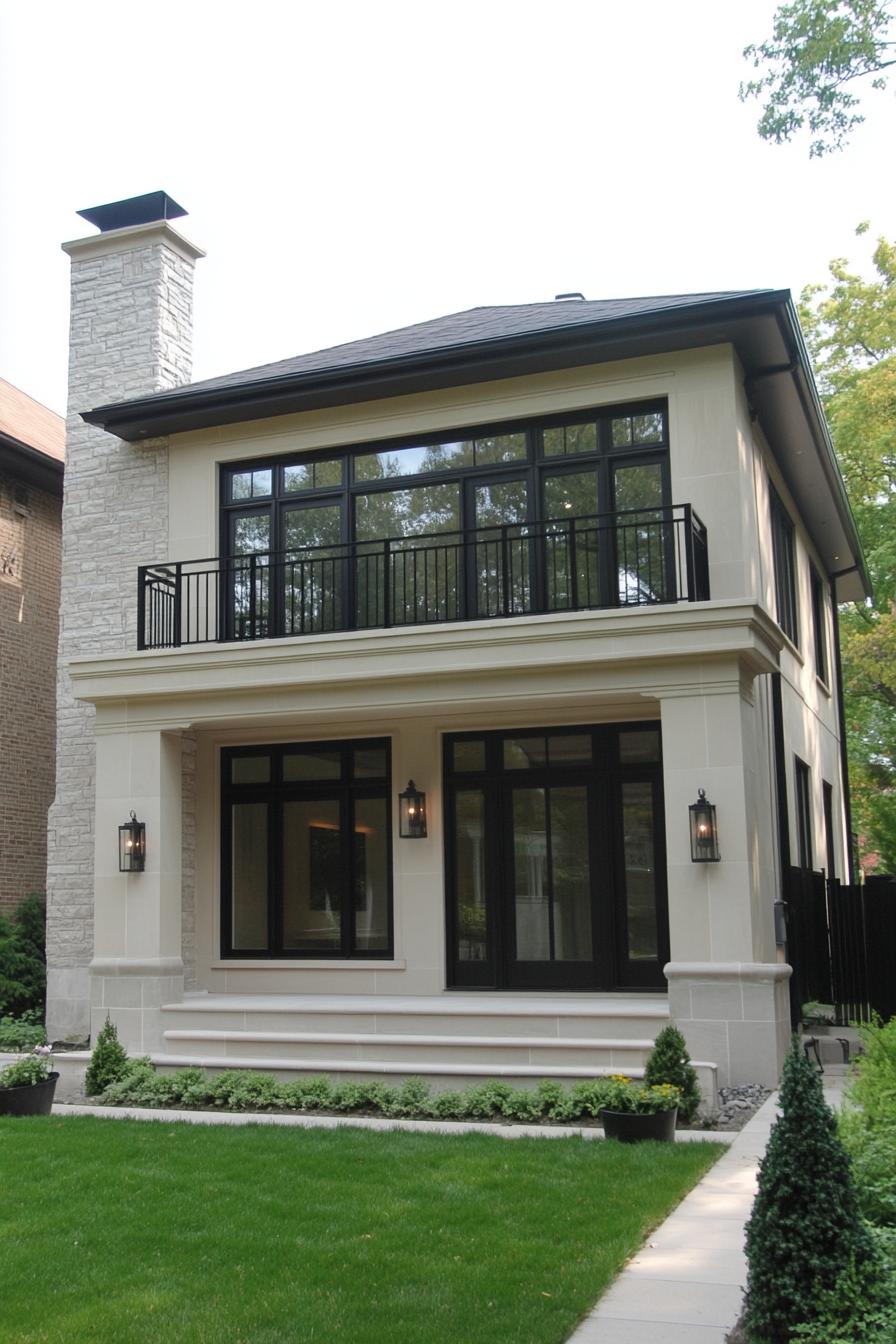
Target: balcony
<point x="629" y="559"/>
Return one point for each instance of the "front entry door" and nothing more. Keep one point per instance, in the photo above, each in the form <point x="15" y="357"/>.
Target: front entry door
<point x="555" y="860"/>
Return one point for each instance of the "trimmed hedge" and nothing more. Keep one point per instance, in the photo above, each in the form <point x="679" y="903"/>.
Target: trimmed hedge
<point x="237" y="1090"/>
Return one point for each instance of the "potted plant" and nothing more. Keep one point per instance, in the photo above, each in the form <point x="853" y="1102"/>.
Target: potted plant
<point x="632" y="1112"/>
<point x="27" y="1086"/>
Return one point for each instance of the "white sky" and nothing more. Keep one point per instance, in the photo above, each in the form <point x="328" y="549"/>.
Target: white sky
<point x="354" y="167"/>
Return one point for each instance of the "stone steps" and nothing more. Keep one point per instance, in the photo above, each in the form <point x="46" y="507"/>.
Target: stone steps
<point x="450" y="1038"/>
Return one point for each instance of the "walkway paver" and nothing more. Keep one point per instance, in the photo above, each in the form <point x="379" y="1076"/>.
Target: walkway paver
<point x="685" y="1286"/>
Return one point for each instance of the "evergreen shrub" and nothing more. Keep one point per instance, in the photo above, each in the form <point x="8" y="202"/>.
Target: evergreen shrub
<point x="23" y="963"/>
<point x="805" y="1235"/>
<point x="669" y="1062"/>
<point x="108" y="1063"/>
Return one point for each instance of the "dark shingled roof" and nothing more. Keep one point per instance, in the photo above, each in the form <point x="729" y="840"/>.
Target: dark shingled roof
<point x="472" y="327"/>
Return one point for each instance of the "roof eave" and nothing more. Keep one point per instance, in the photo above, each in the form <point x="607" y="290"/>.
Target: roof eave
<point x="31" y="464"/>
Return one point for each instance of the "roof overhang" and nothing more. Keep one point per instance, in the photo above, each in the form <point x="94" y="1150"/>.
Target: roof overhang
<point x="762" y="327"/>
<point x="30" y="466"/>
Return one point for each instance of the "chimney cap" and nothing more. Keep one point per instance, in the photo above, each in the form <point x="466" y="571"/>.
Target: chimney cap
<point x="155" y="205"/>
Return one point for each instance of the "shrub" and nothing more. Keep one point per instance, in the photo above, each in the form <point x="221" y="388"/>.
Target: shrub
<point x="859" y="1307"/>
<point x="241" y="1091"/>
<point x="108" y="1063"/>
<point x="868" y="1124"/>
<point x="23" y="965"/>
<point x="26" y="1072"/>
<point x="805" y="1231"/>
<point x="20" y="1033"/>
<point x="669" y="1062"/>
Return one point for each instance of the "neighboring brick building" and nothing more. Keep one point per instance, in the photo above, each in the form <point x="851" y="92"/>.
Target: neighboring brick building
<point x="32" y="442"/>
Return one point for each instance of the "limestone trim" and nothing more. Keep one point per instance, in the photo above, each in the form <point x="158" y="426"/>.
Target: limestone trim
<point x="147" y="966"/>
<point x="741" y="634"/>
<point x="742" y="970"/>
<point x="135" y="235"/>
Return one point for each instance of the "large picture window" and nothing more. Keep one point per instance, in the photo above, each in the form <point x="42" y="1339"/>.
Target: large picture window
<point x="557" y="514"/>
<point x="306" y="850"/>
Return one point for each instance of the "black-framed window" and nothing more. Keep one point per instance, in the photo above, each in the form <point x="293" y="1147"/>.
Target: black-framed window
<point x="804" y="844"/>
<point x="819" y="624"/>
<point x="306" y="850"/>
<point x="784" y="554"/>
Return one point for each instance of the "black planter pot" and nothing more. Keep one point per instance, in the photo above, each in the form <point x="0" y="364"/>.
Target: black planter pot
<point x="628" y="1127"/>
<point x="32" y="1099"/>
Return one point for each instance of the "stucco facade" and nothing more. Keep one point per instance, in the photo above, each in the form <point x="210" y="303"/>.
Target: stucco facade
<point x="702" y="670"/>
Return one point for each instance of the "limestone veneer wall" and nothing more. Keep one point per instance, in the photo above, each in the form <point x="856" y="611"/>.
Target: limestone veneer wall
<point x="131" y="334"/>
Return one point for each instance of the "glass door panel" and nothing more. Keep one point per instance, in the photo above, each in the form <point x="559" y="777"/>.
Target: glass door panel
<point x="313" y="568"/>
<point x="570" y="871"/>
<point x="571" y="543"/>
<point x="643" y="541"/>
<point x="531" y="887"/>
<point x="250" y="578"/>
<point x="468" y="862"/>
<point x="551" y="941"/>
<point x="415" y="577"/>
<point x="502" y="560"/>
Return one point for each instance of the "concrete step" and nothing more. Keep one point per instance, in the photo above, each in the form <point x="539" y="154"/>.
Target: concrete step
<point x="386" y="1046"/>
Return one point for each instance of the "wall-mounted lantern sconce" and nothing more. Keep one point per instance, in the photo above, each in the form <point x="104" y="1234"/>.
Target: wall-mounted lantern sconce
<point x="704" y="831"/>
<point x="132" y="846"/>
<point x="412" y="813"/>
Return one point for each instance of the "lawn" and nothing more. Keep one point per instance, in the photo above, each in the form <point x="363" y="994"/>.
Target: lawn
<point x="116" y="1230"/>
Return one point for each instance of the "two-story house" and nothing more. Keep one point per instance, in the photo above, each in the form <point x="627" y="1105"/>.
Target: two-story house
<point x="412" y="657"/>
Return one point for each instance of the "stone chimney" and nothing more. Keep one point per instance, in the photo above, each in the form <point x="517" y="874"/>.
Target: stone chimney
<point x="130" y="336"/>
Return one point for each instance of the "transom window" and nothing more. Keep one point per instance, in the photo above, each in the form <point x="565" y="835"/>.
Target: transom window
<point x="306" y="850"/>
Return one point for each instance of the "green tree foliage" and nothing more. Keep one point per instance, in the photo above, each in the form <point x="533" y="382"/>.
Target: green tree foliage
<point x="108" y="1063"/>
<point x="817" y="49"/>
<point x="805" y="1231"/>
<point x="851" y="330"/>
<point x="669" y="1062"/>
<point x="23" y="967"/>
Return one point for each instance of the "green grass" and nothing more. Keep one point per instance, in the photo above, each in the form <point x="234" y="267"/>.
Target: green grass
<point x="119" y="1232"/>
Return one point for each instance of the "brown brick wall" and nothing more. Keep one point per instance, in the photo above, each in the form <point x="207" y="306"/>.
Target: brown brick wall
<point x="29" y="620"/>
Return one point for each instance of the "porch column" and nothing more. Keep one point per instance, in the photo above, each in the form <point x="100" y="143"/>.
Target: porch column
<point x="137" y="964"/>
<point x="727" y="991"/>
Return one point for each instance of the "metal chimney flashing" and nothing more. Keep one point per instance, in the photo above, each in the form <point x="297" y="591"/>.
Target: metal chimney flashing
<point x="148" y="209"/>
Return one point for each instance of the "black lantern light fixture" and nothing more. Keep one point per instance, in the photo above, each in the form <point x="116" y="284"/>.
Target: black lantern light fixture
<point x="704" y="831"/>
<point x="412" y="813"/>
<point x="132" y="846"/>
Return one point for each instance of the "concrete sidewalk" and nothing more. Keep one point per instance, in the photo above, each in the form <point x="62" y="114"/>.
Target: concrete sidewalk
<point x="685" y="1286"/>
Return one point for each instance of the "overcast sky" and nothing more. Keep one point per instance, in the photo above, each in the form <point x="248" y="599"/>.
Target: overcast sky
<point x="354" y="167"/>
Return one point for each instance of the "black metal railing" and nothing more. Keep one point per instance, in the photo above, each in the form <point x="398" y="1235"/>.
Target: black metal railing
<point x="635" y="558"/>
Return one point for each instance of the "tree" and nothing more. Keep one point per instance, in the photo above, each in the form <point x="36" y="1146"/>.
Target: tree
<point x="851" y="330"/>
<point x="817" y="49"/>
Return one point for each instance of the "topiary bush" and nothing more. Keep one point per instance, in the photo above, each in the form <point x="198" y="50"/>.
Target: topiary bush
<point x="23" y="963"/>
<point x="669" y="1062"/>
<point x="108" y="1063"/>
<point x="805" y="1233"/>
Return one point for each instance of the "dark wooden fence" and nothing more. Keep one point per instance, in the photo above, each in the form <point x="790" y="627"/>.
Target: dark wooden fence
<point x="841" y="943"/>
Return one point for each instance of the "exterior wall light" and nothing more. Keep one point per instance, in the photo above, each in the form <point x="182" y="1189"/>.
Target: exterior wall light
<point x="704" y="831"/>
<point x="412" y="813"/>
<point x="132" y="846"/>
